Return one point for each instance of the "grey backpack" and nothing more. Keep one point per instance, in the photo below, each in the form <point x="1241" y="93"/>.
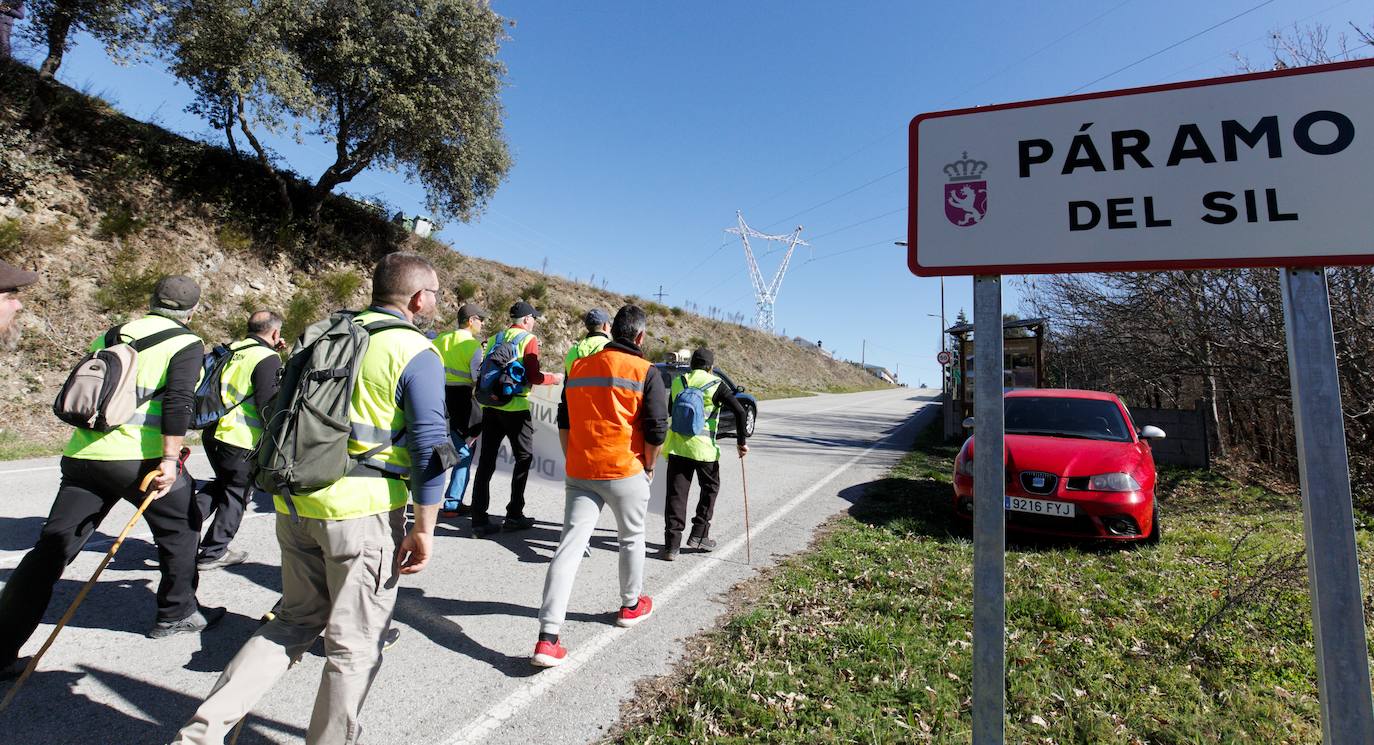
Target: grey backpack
<point x="100" y="392"/>
<point x="304" y="446"/>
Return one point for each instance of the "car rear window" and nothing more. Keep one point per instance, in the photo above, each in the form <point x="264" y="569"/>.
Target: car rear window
<point x="1066" y="417"/>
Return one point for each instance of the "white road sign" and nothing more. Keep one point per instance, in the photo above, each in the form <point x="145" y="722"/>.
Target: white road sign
<point x="1271" y="169"/>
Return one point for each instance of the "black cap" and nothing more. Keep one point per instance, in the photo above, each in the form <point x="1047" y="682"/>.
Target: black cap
<point x="522" y="309"/>
<point x="703" y="359"/>
<point x="596" y="318"/>
<point x="471" y="310"/>
<point x="176" y="292"/>
<point x="13" y="278"/>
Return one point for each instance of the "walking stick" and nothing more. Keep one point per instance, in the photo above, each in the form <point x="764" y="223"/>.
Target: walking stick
<point x="143" y="488"/>
<point x="748" y="541"/>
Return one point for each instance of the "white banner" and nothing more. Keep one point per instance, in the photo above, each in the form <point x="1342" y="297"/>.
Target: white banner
<point x="1273" y="169"/>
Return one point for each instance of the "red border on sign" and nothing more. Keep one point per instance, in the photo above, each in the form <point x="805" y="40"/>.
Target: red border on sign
<point x="914" y="264"/>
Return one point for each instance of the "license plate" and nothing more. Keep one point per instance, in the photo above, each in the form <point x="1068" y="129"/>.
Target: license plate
<point x="1039" y="506"/>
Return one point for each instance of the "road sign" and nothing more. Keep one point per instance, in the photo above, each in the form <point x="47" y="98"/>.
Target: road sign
<point x="1268" y="169"/>
<point x="943" y="358"/>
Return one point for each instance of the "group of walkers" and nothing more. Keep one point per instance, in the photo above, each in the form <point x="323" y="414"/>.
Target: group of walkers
<point x="419" y="410"/>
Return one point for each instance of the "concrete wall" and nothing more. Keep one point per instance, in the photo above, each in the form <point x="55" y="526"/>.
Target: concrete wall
<point x="1188" y="441"/>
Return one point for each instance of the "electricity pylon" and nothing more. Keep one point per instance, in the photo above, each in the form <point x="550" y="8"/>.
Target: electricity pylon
<point x="765" y="295"/>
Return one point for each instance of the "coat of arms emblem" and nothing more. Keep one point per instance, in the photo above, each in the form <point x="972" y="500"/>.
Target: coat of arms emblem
<point x="966" y="194"/>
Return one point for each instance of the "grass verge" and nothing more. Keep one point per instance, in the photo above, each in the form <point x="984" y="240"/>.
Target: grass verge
<point x="866" y="637"/>
<point x="14" y="447"/>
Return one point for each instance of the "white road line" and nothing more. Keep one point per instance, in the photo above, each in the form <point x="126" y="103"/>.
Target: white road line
<point x="528" y="693"/>
<point x="30" y="470"/>
<point x="13" y="557"/>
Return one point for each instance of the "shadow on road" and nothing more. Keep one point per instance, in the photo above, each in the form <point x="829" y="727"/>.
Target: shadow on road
<point x="54" y="708"/>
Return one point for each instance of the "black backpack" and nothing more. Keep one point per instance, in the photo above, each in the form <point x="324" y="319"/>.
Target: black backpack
<point x="502" y="374"/>
<point x="209" y="405"/>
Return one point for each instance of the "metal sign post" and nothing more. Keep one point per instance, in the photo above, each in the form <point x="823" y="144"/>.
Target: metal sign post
<point x="989" y="519"/>
<point x="1333" y="569"/>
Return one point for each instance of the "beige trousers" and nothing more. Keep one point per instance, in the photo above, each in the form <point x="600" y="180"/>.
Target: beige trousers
<point x="338" y="577"/>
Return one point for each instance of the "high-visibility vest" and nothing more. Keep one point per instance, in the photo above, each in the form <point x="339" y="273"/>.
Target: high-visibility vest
<point x="699" y="447"/>
<point x="141" y="437"/>
<point x="241" y="427"/>
<point x="521" y="400"/>
<point x="456" y="349"/>
<point x="587" y="347"/>
<point x="605" y="393"/>
<point x="380" y="483"/>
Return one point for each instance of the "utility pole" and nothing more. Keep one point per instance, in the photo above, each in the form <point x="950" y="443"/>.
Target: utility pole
<point x="863" y="354"/>
<point x="660" y="294"/>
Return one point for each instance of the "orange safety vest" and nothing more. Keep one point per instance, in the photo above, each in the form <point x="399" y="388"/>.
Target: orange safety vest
<point x="605" y="394"/>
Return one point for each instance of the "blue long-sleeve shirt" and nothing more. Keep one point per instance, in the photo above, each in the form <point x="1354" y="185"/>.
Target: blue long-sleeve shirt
<point x="420" y="393"/>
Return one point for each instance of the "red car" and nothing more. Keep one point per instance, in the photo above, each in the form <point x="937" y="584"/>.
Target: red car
<point x="1076" y="467"/>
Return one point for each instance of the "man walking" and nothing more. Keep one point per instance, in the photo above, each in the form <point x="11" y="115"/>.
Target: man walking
<point x="611" y="422"/>
<point x="598" y="323"/>
<point x="461" y="352"/>
<point x="342" y="546"/>
<point x="12" y="280"/>
<point x="694" y="401"/>
<point x="511" y="421"/>
<point x="101" y="468"/>
<point x="248" y="384"/>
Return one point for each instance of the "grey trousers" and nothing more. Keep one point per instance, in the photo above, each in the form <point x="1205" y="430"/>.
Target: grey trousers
<point x="629" y="501"/>
<point x="338" y="577"/>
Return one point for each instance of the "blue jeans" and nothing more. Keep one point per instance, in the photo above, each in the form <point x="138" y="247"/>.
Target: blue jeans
<point x="458" y="477"/>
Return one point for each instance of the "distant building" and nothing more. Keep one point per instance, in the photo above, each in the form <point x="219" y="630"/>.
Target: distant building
<point x="882" y="373"/>
<point x="813" y="346"/>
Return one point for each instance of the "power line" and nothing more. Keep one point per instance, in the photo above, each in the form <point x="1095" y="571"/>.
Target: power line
<point x="864" y="185"/>
<point x="887" y="241"/>
<point x="1171" y="46"/>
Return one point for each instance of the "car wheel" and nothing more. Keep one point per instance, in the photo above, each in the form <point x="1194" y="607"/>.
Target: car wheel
<point x="750" y="416"/>
<point x="1153" y="538"/>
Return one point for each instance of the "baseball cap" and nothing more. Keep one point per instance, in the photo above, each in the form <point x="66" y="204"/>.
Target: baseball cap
<point x="522" y="309"/>
<point x="471" y="310"/>
<point x="703" y="359"/>
<point x="12" y="277"/>
<point x="176" y="292"/>
<point x="596" y="318"/>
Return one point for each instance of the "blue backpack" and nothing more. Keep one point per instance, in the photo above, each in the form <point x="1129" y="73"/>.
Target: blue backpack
<point x="209" y="405"/>
<point x="502" y="374"/>
<point x="689" y="409"/>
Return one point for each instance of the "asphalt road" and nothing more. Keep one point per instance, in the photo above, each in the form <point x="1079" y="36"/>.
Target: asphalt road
<point x="460" y="673"/>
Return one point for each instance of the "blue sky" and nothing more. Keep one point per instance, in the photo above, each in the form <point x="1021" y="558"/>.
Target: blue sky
<point x="638" y="129"/>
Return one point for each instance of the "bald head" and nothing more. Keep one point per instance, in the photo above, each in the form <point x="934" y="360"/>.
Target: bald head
<point x="264" y="322"/>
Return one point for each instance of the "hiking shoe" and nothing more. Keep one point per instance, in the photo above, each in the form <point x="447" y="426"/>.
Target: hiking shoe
<point x="454" y="509"/>
<point x="196" y="622"/>
<point x="668" y="553"/>
<point x="390" y="638"/>
<point x="703" y="544"/>
<point x="226" y="559"/>
<point x="519" y="522"/>
<point x="484" y="530"/>
<point x="549" y="654"/>
<point x="631" y="616"/>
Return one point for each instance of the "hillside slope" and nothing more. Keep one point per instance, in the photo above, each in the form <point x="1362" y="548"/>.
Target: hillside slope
<point x="102" y="205"/>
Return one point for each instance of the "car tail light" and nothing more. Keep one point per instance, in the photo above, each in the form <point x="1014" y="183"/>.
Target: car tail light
<point x="1113" y="482"/>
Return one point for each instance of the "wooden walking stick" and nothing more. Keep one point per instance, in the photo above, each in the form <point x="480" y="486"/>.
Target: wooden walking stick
<point x="143" y="489"/>
<point x="748" y="541"/>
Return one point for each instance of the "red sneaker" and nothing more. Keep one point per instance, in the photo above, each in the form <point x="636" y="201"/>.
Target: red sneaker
<point x="549" y="654"/>
<point x="631" y="616"/>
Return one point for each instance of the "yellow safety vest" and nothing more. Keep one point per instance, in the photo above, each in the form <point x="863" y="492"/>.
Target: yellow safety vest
<point x="141" y="437"/>
<point x="700" y="447"/>
<point x="587" y="347"/>
<point x="456" y="349"/>
<point x="382" y="483"/>
<point x="242" y="426"/>
<point x="521" y="400"/>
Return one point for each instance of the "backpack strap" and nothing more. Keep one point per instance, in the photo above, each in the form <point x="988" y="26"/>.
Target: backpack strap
<point x="386" y="324"/>
<point x="153" y="340"/>
<point x="112" y="336"/>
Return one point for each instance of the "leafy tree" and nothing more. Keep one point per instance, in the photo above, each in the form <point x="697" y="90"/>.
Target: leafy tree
<point x="406" y="86"/>
<point x="121" y="25"/>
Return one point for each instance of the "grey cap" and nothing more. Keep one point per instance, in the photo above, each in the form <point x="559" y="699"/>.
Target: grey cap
<point x="596" y="318"/>
<point x="13" y="278"/>
<point x="176" y="292"/>
<point x="471" y="310"/>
